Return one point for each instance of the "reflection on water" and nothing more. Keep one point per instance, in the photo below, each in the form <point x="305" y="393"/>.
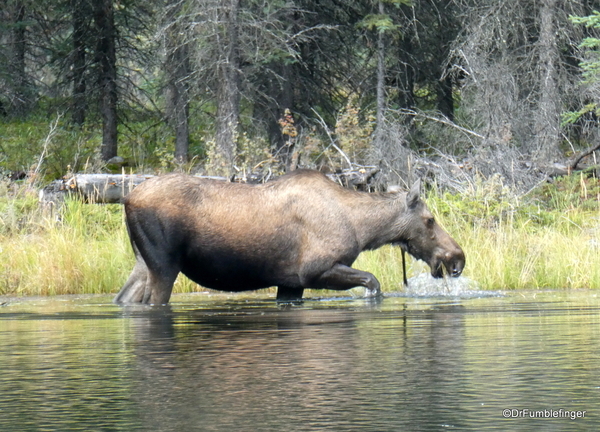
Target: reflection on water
<point x="218" y="363"/>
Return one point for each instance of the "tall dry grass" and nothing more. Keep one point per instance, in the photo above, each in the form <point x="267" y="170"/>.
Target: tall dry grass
<point x="80" y="249"/>
<point x="550" y="239"/>
<point x="84" y="251"/>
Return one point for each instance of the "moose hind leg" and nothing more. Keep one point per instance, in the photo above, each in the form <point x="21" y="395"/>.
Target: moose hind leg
<point x="159" y="287"/>
<point x="135" y="287"/>
<point x="156" y="251"/>
<point x="342" y="277"/>
<point x="147" y="286"/>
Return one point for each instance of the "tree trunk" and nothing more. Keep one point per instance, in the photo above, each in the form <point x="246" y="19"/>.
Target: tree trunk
<point x="178" y="70"/>
<point x="18" y="71"/>
<point x="278" y="91"/>
<point x="281" y="97"/>
<point x="547" y="126"/>
<point x="228" y="93"/>
<point x="181" y="120"/>
<point x="446" y="98"/>
<point x="380" y="115"/>
<point x="79" y="15"/>
<point x="106" y="58"/>
<point x="406" y="83"/>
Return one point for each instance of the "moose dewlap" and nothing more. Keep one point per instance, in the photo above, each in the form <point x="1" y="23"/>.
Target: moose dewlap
<point x="299" y="231"/>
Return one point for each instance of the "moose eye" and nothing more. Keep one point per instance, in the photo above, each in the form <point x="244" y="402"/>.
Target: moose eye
<point x="430" y="222"/>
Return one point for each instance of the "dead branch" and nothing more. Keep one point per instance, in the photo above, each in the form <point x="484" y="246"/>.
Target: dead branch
<point x="573" y="164"/>
<point x="47" y="141"/>
<point x="333" y="144"/>
<point x="442" y="120"/>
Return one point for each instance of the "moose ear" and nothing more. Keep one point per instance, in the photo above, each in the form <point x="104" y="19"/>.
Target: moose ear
<point x="413" y="196"/>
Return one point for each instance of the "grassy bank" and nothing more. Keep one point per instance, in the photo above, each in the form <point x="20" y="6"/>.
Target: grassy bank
<point x="82" y="249"/>
<point x="508" y="257"/>
<point x="548" y="239"/>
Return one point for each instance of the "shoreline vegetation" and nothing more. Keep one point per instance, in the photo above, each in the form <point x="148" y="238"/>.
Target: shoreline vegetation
<point x="409" y="89"/>
<point x="548" y="239"/>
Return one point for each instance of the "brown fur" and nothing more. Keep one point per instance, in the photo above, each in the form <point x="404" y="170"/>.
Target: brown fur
<point x="300" y="231"/>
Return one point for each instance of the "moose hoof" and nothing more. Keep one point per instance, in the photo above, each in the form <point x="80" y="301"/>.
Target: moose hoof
<point x="373" y="293"/>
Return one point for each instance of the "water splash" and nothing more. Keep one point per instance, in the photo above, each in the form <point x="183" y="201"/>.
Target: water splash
<point x="425" y="285"/>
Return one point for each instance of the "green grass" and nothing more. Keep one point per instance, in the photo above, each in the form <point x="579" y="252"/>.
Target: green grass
<point x="549" y="239"/>
<point x="85" y="251"/>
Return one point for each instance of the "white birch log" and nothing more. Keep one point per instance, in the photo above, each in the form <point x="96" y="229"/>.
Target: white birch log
<point x="94" y="188"/>
<point x="112" y="188"/>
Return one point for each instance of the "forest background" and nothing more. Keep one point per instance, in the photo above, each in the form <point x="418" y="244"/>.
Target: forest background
<point x="484" y="99"/>
<point x="207" y="83"/>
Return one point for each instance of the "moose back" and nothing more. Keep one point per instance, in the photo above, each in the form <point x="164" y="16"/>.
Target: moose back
<point x="299" y="231"/>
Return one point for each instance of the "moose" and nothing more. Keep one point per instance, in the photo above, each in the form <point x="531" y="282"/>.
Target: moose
<point x="299" y="231"/>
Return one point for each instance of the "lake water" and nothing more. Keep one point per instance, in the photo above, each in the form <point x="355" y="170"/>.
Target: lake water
<point x="243" y="363"/>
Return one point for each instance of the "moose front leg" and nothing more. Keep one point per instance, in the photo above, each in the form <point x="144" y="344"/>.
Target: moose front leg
<point x="342" y="277"/>
<point x="287" y="294"/>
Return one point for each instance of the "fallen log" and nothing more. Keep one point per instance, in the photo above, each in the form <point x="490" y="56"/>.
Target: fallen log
<point x="573" y="164"/>
<point x="561" y="170"/>
<point x="112" y="188"/>
<point x="94" y="188"/>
